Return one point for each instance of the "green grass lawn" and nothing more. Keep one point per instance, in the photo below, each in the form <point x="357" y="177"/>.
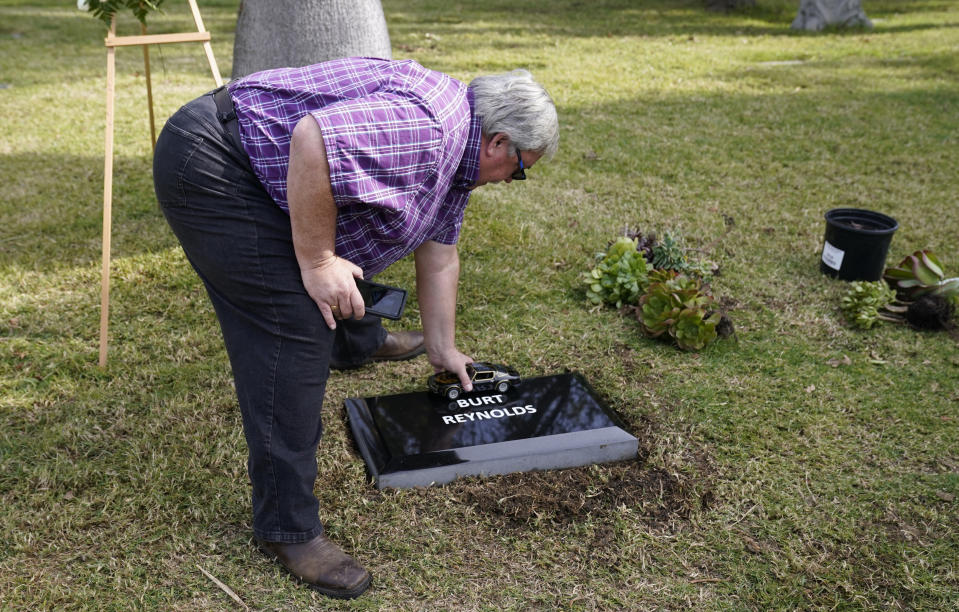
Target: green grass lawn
<point x="801" y="465"/>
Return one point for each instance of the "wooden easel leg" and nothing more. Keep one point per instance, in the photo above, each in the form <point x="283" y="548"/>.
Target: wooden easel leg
<point x="111" y="43"/>
<point x="107" y="206"/>
<point x="146" y="67"/>
<point x="206" y="46"/>
<point x="216" y="71"/>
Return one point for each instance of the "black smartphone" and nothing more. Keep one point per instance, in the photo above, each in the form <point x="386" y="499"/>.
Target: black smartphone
<point x="382" y="300"/>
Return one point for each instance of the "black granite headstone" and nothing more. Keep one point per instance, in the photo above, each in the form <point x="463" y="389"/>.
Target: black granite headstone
<point x="420" y="439"/>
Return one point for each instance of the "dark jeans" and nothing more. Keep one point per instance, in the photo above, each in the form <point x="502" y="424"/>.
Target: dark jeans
<point x="239" y="242"/>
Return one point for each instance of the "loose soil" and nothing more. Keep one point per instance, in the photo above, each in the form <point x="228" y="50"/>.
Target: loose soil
<point x="573" y="495"/>
<point x="930" y="312"/>
<point x="663" y="498"/>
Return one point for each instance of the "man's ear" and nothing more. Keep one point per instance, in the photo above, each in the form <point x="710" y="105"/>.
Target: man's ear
<point x="496" y="141"/>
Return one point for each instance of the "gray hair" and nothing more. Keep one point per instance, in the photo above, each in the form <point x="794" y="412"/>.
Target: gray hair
<point x="514" y="104"/>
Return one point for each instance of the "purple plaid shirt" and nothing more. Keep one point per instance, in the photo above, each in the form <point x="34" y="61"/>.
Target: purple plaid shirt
<point x="402" y="143"/>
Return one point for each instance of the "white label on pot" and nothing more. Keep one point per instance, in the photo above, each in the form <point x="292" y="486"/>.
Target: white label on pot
<point x="831" y="256"/>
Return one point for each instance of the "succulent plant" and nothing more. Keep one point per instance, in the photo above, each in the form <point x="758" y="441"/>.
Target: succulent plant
<point x="694" y="329"/>
<point x="680" y="306"/>
<point x="644" y="243"/>
<point x="920" y="274"/>
<point x="863" y="302"/>
<point x="668" y="254"/>
<point x="620" y="276"/>
<point x="664" y="289"/>
<point x="659" y="307"/>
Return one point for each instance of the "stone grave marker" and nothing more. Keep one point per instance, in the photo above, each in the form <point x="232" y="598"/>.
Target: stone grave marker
<point x="421" y="439"/>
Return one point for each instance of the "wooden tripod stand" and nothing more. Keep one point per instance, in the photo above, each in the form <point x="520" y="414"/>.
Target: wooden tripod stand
<point x="113" y="41"/>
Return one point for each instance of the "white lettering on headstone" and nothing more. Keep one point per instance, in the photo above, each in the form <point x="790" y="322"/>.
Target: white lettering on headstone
<point x="496" y="413"/>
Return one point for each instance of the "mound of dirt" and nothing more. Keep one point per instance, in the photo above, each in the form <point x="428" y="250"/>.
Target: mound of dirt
<point x="663" y="498"/>
<point x="571" y="495"/>
<point x="932" y="312"/>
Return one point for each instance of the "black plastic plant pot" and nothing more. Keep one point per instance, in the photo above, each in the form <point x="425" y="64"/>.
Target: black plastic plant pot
<point x="856" y="244"/>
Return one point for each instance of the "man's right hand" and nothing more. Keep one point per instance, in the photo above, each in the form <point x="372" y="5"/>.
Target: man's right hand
<point x="327" y="278"/>
<point x="451" y="360"/>
<point x="332" y="287"/>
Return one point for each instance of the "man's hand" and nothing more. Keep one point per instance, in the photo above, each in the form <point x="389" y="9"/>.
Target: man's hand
<point x="332" y="287"/>
<point x="453" y="361"/>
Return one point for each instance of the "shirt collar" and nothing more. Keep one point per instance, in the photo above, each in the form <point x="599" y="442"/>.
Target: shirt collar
<point x="468" y="171"/>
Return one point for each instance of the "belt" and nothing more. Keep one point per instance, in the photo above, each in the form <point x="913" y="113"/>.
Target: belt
<point x="226" y="114"/>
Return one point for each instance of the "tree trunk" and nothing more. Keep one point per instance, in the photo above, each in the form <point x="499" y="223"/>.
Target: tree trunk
<point x="814" y="15"/>
<point x="285" y="33"/>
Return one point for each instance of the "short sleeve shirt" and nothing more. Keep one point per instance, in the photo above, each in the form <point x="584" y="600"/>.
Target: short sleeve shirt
<point x="402" y="144"/>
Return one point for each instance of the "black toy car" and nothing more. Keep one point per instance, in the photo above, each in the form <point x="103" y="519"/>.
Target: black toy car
<point x="485" y="377"/>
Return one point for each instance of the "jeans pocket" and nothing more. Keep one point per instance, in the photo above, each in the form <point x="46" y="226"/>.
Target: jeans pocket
<point x="174" y="150"/>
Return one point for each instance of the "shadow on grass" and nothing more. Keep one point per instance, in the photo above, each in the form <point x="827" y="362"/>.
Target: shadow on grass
<point x="625" y="18"/>
<point x="51" y="212"/>
<point x="58" y="22"/>
<point x="492" y="18"/>
<point x="55" y="44"/>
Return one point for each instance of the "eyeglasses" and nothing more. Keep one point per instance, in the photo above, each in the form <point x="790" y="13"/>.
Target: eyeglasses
<point x="520" y="173"/>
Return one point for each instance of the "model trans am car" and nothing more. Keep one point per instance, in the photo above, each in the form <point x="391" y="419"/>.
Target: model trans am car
<point x="485" y="377"/>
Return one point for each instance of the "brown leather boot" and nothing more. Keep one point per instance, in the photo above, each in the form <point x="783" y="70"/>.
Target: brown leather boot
<point x="400" y="346"/>
<point x="397" y="347"/>
<point x="322" y="565"/>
